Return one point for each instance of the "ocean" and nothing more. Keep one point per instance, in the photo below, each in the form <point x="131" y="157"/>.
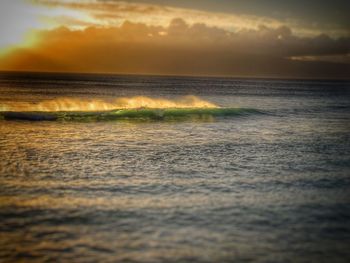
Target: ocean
<point x="267" y="180"/>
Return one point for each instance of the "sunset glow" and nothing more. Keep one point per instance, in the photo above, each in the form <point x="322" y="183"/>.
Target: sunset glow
<point x="174" y="131"/>
<point x="170" y="38"/>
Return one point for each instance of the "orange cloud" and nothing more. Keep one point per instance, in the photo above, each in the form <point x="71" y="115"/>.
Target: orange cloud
<point x="181" y="49"/>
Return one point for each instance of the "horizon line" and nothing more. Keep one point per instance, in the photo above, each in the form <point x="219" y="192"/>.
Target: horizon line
<point x="172" y="75"/>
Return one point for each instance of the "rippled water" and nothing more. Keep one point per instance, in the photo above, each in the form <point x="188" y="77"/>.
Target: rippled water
<point x="270" y="187"/>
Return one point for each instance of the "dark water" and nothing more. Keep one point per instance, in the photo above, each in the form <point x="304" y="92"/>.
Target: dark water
<point x="267" y="187"/>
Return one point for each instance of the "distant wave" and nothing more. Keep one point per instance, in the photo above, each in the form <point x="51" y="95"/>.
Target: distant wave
<point x="167" y="114"/>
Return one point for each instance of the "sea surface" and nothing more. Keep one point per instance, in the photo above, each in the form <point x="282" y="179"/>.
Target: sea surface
<point x="270" y="185"/>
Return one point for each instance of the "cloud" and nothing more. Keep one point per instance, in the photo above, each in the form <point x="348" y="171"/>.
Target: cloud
<point x="325" y="58"/>
<point x="114" y="13"/>
<point x="182" y="48"/>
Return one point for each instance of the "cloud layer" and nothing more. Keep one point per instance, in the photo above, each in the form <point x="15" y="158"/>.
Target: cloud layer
<point x="114" y="13"/>
<point x="129" y="37"/>
<point x="184" y="49"/>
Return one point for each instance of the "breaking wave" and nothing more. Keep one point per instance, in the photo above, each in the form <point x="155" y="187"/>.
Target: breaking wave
<point x="132" y="108"/>
<point x="75" y="104"/>
<point x="131" y="114"/>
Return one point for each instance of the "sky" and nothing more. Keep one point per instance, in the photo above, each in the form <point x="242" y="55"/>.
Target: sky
<point x="251" y="38"/>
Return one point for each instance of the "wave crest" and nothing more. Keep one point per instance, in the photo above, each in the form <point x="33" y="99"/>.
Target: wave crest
<point x="73" y="104"/>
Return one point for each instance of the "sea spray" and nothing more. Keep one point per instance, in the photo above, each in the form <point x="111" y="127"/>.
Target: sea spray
<point x="83" y="105"/>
